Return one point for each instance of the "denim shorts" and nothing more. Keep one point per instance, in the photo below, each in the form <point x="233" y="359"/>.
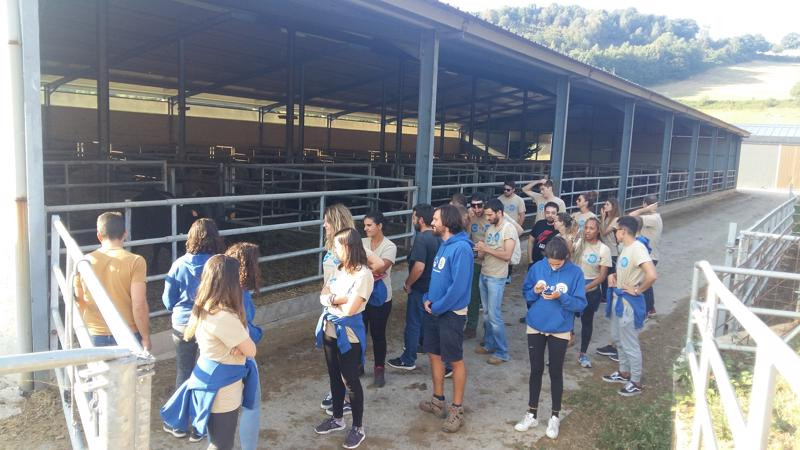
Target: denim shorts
<point x="444" y="336"/>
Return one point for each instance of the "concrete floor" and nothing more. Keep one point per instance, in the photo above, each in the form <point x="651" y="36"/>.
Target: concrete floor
<point x="295" y="379"/>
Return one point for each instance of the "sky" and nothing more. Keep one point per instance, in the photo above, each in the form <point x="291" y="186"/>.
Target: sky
<point x="771" y="18"/>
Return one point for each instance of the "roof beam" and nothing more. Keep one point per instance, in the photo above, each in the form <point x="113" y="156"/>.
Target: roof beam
<point x="145" y="47"/>
<point x="344" y="87"/>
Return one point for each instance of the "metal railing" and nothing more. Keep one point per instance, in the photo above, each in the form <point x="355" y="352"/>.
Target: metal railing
<point x="772" y="357"/>
<point x="308" y="226"/>
<point x="104" y="391"/>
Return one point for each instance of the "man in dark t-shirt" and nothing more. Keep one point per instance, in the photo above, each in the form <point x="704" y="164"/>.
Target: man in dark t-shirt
<point x="420" y="265"/>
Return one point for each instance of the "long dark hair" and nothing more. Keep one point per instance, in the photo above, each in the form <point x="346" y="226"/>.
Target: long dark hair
<point x="355" y="257"/>
<point x="219" y="290"/>
<point x="204" y="238"/>
<point x="247" y="254"/>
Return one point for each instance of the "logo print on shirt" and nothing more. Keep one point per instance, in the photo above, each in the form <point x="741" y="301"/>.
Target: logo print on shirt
<point x="493" y="239"/>
<point x="441" y="263"/>
<point x="474" y="227"/>
<point x="581" y="223"/>
<point x="623" y="262"/>
<point x="562" y="288"/>
<point x="541" y="207"/>
<point x="591" y="258"/>
<point x="511" y="208"/>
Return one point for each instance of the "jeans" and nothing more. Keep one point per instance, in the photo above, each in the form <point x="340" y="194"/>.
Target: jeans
<point x="185" y="357"/>
<point x="108" y="341"/>
<point x="649" y="296"/>
<point x="474" y="300"/>
<point x="493" y="324"/>
<point x="250" y="422"/>
<point x="413" y="330"/>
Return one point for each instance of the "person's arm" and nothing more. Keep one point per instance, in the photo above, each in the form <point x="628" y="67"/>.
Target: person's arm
<point x="374" y="261"/>
<point x="462" y="263"/>
<point x="504" y="254"/>
<point x="575" y="299"/>
<point x="141" y="312"/>
<point x="388" y="256"/>
<point x="531" y="242"/>
<point x="172" y="288"/>
<point x="646" y="210"/>
<point x="600" y="277"/>
<point x="247" y="348"/>
<point x="413" y="275"/>
<point x="650" y="276"/>
<point x="528" y="190"/>
<point x="530" y="286"/>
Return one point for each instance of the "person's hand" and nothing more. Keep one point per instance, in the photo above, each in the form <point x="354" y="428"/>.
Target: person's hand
<point x="612" y="280"/>
<point x="427" y="305"/>
<point x="236" y="352"/>
<point x="480" y="247"/>
<point x="407" y="288"/>
<point x="552" y="296"/>
<point x="326" y="290"/>
<point x="540" y="285"/>
<point x="146" y="343"/>
<point x="633" y="290"/>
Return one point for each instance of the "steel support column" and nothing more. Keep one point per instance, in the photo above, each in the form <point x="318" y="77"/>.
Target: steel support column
<point x="301" y="125"/>
<point x="488" y="130"/>
<point x="428" y="70"/>
<point x="398" y="134"/>
<point x="666" y="150"/>
<point x="559" y="133"/>
<point x="737" y="148"/>
<point x="103" y="105"/>
<point x="473" y="93"/>
<point x="328" y="131"/>
<point x="693" y="149"/>
<point x="625" y="153"/>
<point x="382" y="136"/>
<point x="181" y="100"/>
<point x="712" y="151"/>
<point x="728" y="158"/>
<point x="523" y="124"/>
<point x="289" y="127"/>
<point x="442" y="120"/>
<point x="260" y="127"/>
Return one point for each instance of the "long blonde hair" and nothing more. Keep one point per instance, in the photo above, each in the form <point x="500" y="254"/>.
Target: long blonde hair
<point x="219" y="290"/>
<point x="340" y="218"/>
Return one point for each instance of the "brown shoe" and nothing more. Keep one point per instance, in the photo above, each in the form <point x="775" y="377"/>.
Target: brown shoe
<point x="434" y="406"/>
<point x="455" y="418"/>
<point x="482" y="351"/>
<point x="495" y="361"/>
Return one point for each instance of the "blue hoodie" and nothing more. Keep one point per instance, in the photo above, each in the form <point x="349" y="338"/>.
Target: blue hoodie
<point x="256" y="333"/>
<point x="451" y="278"/>
<point x="554" y="316"/>
<point x="181" y="284"/>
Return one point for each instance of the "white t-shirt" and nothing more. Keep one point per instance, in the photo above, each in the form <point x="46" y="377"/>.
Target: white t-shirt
<point x="343" y="283"/>
<point x="512" y="206"/>
<point x="581" y="218"/>
<point x="541" y="202"/>
<point x="609" y="239"/>
<point x="495" y="239"/>
<point x="386" y="250"/>
<point x="216" y="335"/>
<point x="592" y="257"/>
<point x="629" y="272"/>
<point x="652" y="226"/>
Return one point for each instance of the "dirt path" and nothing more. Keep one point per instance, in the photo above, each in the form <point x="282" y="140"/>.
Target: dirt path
<point x="294" y="377"/>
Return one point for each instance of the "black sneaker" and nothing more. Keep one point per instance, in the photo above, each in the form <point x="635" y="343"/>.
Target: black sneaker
<point x="629" y="390"/>
<point x="194" y="436"/>
<point x="347" y="409"/>
<point x="608" y="350"/>
<point x="174" y="431"/>
<point x="329" y="426"/>
<point x="614" y="357"/>
<point x="616" y="377"/>
<point x="327" y="402"/>
<point x="354" y="438"/>
<point x="522" y="320"/>
<point x="448" y="373"/>
<point x="398" y="363"/>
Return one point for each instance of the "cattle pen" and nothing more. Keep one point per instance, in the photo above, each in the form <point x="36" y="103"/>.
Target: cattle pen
<point x="261" y="114"/>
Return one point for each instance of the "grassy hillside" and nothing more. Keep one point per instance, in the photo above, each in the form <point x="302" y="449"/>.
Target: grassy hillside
<point x="752" y="92"/>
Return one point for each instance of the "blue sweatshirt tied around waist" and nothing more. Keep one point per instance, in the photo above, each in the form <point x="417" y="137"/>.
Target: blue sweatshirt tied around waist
<point x="181" y="284"/>
<point x="554" y="316"/>
<point x="451" y="277"/>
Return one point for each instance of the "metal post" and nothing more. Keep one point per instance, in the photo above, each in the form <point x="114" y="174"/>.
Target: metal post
<point x="488" y="129"/>
<point x="103" y="105"/>
<point x="559" y="140"/>
<point x="625" y="153"/>
<point x="260" y="127"/>
<point x="382" y="135"/>
<point x="728" y="157"/>
<point x="301" y="141"/>
<point x="666" y="151"/>
<point x="129" y="236"/>
<point x="398" y="135"/>
<point x="759" y="414"/>
<point x="693" y="149"/>
<point x="321" y="232"/>
<point x="712" y="151"/>
<point x="442" y="120"/>
<point x="737" y="146"/>
<point x="428" y="70"/>
<point x="117" y="407"/>
<point x="474" y="91"/>
<point x="181" y="101"/>
<point x="328" y="126"/>
<point x="174" y="229"/>
<point x="290" y="38"/>
<point x="523" y="124"/>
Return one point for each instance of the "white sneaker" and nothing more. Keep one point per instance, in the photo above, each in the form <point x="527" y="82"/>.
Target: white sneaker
<point x="552" y="427"/>
<point x="528" y="421"/>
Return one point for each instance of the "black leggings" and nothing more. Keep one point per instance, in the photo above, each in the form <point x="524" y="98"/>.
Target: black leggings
<point x="222" y="430"/>
<point x="375" y="319"/>
<point x="557" y="350"/>
<point x="345" y="366"/>
<point x="587" y="318"/>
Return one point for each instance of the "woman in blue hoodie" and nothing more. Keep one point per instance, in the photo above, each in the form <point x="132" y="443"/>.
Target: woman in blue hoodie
<point x="554" y="290"/>
<point x="180" y="286"/>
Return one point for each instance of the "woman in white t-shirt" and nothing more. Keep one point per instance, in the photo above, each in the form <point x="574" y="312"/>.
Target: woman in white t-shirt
<point x="219" y="325"/>
<point x="341" y="330"/>
<point x="567" y="229"/>
<point x="594" y="259"/>
<point x="379" y="305"/>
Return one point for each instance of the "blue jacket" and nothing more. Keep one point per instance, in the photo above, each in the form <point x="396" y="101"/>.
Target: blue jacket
<point x="451" y="278"/>
<point x="256" y="333"/>
<point x="636" y="302"/>
<point x="554" y="316"/>
<point x="181" y="284"/>
<point x="646" y="242"/>
<point x="355" y="323"/>
<point x="194" y="398"/>
<point x="379" y="294"/>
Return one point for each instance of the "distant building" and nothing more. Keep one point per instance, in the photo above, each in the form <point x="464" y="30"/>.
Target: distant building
<point x="770" y="157"/>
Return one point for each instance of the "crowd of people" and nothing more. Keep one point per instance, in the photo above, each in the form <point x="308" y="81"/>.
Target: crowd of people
<point x="459" y="265"/>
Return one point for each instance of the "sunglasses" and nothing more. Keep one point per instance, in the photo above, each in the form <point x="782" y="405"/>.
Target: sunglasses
<point x="477" y="205"/>
<point x="508" y="189"/>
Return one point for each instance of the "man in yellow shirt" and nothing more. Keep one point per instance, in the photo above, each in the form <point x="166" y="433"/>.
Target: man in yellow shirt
<point x="123" y="275"/>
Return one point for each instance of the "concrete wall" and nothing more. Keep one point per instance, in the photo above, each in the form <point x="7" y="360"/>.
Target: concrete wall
<point x="758" y="166"/>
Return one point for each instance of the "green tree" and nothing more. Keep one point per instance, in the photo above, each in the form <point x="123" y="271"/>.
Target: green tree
<point x="790" y="41"/>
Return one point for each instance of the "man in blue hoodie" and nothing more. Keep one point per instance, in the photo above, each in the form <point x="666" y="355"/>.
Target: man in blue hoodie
<point x="446" y="306"/>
